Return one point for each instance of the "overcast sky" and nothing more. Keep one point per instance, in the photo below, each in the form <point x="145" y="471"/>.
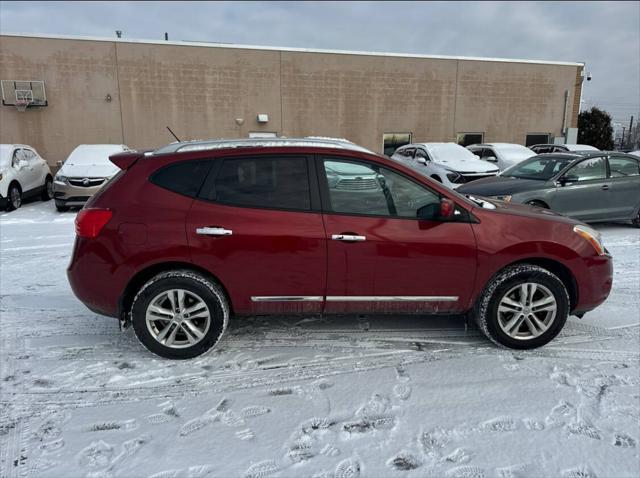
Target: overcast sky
<point x="606" y="36"/>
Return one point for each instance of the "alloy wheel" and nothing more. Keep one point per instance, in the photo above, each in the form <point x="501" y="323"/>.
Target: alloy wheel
<point x="178" y="318"/>
<point x="526" y="311"/>
<point x="16" y="198"/>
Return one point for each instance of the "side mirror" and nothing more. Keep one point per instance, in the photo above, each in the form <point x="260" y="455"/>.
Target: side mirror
<point x="567" y="179"/>
<point x="22" y="164"/>
<point x="491" y="158"/>
<point x="442" y="211"/>
<point x="421" y="160"/>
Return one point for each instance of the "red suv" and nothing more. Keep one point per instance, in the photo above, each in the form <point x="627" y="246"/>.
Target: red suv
<point x="192" y="233"/>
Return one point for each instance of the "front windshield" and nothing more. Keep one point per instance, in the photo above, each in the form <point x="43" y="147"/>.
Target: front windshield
<point x="538" y="168"/>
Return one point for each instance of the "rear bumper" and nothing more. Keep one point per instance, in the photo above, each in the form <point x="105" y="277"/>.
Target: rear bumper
<point x="93" y="281"/>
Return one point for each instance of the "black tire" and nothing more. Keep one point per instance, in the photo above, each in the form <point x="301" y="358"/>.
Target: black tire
<point x="14" y="197"/>
<point x="535" y="203"/>
<point x="486" y="309"/>
<point x="211" y="294"/>
<point x="61" y="207"/>
<point x="47" y="192"/>
<point x="636" y="221"/>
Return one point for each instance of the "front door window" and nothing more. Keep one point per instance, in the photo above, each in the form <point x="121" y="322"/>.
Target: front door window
<point x="358" y="188"/>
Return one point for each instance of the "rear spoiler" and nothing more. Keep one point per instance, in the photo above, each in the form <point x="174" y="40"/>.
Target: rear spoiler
<point x="126" y="159"/>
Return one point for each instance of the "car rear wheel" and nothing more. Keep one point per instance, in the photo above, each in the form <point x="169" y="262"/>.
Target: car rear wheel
<point x="523" y="307"/>
<point x="15" y="197"/>
<point x="179" y="314"/>
<point x="47" y="192"/>
<point x="636" y="221"/>
<point x="535" y="203"/>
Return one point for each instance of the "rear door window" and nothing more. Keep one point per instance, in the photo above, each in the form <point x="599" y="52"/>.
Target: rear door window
<point x="622" y="167"/>
<point x="264" y="182"/>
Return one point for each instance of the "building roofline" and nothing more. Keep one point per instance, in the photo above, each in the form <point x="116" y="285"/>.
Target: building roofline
<point x="286" y="49"/>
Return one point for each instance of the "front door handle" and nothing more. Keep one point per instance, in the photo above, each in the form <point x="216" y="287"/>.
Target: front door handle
<point x="605" y="187"/>
<point x="214" y="231"/>
<point x="348" y="237"/>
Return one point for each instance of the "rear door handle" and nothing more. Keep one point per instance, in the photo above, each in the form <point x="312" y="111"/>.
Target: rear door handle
<point x="214" y="231"/>
<point x="605" y="187"/>
<point x="348" y="237"/>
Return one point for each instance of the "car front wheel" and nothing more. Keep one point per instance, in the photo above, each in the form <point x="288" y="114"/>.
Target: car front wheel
<point x="47" y="192"/>
<point x="15" y="197"/>
<point x="179" y="314"/>
<point x="523" y="307"/>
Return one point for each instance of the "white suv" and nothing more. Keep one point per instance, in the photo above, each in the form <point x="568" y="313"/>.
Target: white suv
<point x="448" y="163"/>
<point x="23" y="173"/>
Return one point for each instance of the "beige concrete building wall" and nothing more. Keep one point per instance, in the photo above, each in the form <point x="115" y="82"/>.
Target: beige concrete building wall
<point x="77" y="75"/>
<point x="201" y="91"/>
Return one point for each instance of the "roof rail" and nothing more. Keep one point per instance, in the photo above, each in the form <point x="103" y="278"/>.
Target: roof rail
<point x="310" y="141"/>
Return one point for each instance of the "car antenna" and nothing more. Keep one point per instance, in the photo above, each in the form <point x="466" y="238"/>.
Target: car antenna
<point x="174" y="135"/>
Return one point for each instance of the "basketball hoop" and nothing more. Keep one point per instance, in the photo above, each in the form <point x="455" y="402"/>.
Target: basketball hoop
<point x="21" y="105"/>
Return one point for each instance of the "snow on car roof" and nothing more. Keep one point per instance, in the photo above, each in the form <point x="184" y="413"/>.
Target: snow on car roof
<point x="93" y="152"/>
<point x="580" y="147"/>
<point x="308" y="142"/>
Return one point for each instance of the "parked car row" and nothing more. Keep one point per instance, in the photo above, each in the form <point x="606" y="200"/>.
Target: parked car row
<point x="25" y="174"/>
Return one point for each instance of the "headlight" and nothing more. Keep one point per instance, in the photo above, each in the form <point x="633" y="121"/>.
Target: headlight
<point x="453" y="176"/>
<point x="60" y="178"/>
<point x="506" y="198"/>
<point x="592" y="236"/>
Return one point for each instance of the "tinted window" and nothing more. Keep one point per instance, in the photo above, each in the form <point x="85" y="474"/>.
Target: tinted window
<point x="465" y="139"/>
<point x="541" y="168"/>
<point x="621" y="167"/>
<point x="393" y="141"/>
<point x="358" y="188"/>
<point x="588" y="170"/>
<point x="183" y="178"/>
<point x="420" y="153"/>
<point x="281" y="183"/>
<point x="535" y="138"/>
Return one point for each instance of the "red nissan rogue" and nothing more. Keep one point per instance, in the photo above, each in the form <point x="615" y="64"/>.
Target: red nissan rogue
<point x="194" y="232"/>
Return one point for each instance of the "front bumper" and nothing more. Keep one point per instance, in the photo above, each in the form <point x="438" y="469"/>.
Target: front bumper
<point x="66" y="194"/>
<point x="3" y="202"/>
<point x="594" y="285"/>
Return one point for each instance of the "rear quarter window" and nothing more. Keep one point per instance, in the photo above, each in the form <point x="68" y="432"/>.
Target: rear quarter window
<point x="184" y="178"/>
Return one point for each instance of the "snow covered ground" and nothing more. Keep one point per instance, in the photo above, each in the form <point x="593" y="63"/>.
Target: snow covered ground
<point x="303" y="397"/>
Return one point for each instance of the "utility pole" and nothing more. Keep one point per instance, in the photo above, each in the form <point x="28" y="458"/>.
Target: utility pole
<point x="630" y="130"/>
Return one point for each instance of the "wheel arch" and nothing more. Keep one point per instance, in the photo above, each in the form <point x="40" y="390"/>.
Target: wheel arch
<point x="144" y="275"/>
<point x="556" y="268"/>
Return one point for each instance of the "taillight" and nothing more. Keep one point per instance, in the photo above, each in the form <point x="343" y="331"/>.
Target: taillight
<point x="89" y="222"/>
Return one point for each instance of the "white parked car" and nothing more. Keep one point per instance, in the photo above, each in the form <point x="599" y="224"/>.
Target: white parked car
<point x="23" y="174"/>
<point x="448" y="163"/>
<point x="504" y="155"/>
<point x="84" y="172"/>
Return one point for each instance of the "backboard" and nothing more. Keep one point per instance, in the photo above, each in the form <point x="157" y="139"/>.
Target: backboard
<point x="15" y="92"/>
